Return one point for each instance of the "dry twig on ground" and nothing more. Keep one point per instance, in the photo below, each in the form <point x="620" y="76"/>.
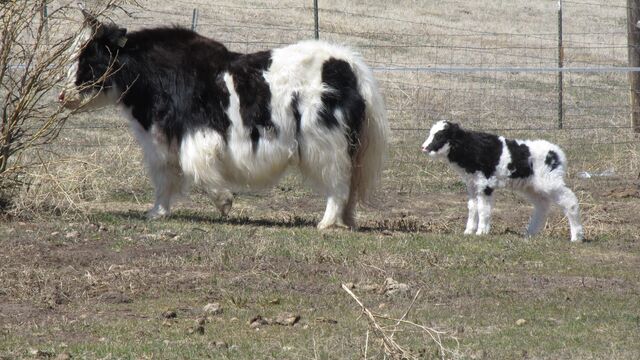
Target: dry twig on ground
<point x="387" y="332"/>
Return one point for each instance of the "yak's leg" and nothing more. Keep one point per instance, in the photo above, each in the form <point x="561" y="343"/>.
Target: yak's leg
<point x="223" y="199"/>
<point x="326" y="163"/>
<point x="168" y="184"/>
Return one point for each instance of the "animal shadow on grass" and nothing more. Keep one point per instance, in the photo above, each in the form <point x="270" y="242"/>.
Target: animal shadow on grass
<point x="190" y="216"/>
<point x="282" y="222"/>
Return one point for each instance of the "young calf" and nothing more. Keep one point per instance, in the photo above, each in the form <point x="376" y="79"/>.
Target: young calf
<point x="485" y="162"/>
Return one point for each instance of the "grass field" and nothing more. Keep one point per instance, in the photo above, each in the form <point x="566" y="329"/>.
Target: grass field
<point x="82" y="274"/>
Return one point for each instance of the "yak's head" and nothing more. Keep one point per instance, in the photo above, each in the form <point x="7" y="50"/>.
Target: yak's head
<point x="438" y="142"/>
<point x="89" y="82"/>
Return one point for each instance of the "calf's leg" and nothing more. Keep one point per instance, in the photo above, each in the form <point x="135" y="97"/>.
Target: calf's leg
<point x="485" y="202"/>
<point x="541" y="205"/>
<point x="567" y="200"/>
<point x="472" y="205"/>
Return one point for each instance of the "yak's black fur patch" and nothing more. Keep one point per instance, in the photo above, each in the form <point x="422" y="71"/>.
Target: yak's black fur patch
<point x="343" y="95"/>
<point x="169" y="77"/>
<point x="254" y="94"/>
<point x="172" y="78"/>
<point x="295" y="108"/>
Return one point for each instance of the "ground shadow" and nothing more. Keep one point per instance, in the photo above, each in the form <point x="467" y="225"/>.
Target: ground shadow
<point x="294" y="221"/>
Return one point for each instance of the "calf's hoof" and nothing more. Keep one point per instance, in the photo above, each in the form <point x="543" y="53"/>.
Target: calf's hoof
<point x="157" y="213"/>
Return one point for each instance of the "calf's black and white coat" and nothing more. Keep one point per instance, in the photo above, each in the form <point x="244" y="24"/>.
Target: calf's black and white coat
<point x="233" y="121"/>
<point x="485" y="162"/>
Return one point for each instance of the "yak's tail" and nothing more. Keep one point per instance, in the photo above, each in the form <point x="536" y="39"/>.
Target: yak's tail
<point x="369" y="159"/>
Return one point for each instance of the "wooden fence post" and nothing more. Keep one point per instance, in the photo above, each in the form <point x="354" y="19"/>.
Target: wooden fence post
<point x="633" y="39"/>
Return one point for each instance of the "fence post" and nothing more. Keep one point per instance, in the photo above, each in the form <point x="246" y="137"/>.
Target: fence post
<point x="194" y="20"/>
<point x="560" y="65"/>
<point x="45" y="19"/>
<point x="633" y="40"/>
<point x="315" y="18"/>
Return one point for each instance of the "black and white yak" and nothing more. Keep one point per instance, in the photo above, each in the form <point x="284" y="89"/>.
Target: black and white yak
<point x="232" y="121"/>
<point x="535" y="168"/>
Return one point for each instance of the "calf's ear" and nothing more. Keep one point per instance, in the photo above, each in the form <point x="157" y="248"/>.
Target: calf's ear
<point x="454" y="128"/>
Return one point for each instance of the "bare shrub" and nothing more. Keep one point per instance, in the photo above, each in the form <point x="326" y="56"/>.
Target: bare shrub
<point x="34" y="58"/>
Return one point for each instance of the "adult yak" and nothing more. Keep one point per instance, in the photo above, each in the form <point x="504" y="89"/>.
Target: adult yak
<point x="231" y="121"/>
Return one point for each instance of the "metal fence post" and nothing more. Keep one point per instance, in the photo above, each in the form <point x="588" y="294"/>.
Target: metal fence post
<point x="633" y="39"/>
<point x="560" y="65"/>
<point x="315" y="18"/>
<point x="194" y="20"/>
<point x="45" y="19"/>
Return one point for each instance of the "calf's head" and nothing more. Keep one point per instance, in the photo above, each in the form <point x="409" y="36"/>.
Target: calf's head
<point x="438" y="142"/>
<point x="94" y="59"/>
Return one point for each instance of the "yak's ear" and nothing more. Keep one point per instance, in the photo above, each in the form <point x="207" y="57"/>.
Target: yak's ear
<point x="116" y="36"/>
<point x="122" y="40"/>
<point x="89" y="18"/>
<point x="92" y="21"/>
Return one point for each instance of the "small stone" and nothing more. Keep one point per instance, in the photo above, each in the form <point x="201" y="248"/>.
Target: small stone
<point x="258" y="321"/>
<point x="521" y="322"/>
<point x="220" y="345"/>
<point x="213" y="308"/>
<point x="392" y="287"/>
<point x="168" y="234"/>
<point x="169" y="314"/>
<point x="72" y="234"/>
<point x="55" y="233"/>
<point x="287" y="319"/>
<point x="40" y="353"/>
<point x="326" y="320"/>
<point x="369" y="287"/>
<point x="63" y="356"/>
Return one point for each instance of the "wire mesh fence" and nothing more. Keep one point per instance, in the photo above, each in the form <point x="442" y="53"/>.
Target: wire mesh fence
<point x="492" y="69"/>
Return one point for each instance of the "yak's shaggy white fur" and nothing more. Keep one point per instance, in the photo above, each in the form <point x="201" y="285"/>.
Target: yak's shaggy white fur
<point x="230" y="161"/>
